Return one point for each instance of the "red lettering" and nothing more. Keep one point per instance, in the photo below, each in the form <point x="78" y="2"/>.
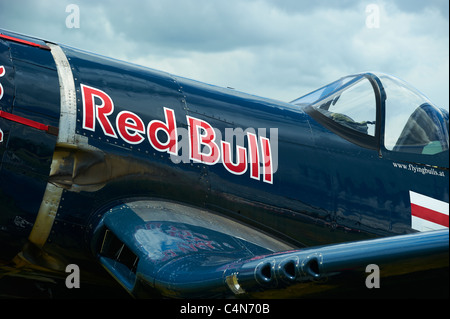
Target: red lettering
<point x="205" y="245"/>
<point x="168" y="254"/>
<point x="169" y="128"/>
<point x="186" y="247"/>
<point x="198" y="139"/>
<point x="92" y="111"/>
<point x="241" y="159"/>
<point x="203" y="148"/>
<point x="253" y="155"/>
<point x="2" y="73"/>
<point x="130" y="127"/>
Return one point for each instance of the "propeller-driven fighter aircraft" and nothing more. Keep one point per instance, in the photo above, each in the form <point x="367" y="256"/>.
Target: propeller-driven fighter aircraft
<point x="179" y="189"/>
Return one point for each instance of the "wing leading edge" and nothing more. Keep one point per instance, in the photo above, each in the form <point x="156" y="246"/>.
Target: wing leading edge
<point x="164" y="249"/>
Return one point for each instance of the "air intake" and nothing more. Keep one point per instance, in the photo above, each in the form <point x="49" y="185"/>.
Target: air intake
<point x="118" y="259"/>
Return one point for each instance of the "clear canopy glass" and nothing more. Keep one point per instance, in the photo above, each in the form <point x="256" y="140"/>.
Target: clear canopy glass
<point x="412" y="124"/>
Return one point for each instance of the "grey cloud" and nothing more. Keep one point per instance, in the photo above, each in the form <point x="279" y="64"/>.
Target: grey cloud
<point x="442" y="6"/>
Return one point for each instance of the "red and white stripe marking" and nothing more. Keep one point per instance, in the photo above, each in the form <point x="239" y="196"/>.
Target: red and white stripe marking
<point x="428" y="213"/>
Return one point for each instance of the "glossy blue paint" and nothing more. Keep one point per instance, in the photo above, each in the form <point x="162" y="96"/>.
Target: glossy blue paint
<point x="30" y="89"/>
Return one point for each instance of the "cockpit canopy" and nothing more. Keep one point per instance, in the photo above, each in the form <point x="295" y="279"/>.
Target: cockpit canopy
<point x="354" y="106"/>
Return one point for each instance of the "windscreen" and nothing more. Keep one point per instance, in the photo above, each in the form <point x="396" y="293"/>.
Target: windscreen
<point x="413" y="123"/>
<point x="350" y="102"/>
<point x="323" y="92"/>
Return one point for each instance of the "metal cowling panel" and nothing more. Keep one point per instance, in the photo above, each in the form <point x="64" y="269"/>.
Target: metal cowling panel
<point x="30" y="95"/>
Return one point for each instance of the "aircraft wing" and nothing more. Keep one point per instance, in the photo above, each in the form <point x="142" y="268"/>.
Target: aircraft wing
<point x="169" y="250"/>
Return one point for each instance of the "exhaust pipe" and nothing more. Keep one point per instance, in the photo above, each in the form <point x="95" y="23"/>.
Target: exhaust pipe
<point x="311" y="266"/>
<point x="288" y="270"/>
<point x="323" y="262"/>
<point x="265" y="272"/>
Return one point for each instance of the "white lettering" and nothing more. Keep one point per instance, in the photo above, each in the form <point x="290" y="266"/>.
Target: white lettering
<point x="197" y="309"/>
<point x="373" y="279"/>
<point x="373" y="17"/>
<point x="73" y="279"/>
<point x="73" y="19"/>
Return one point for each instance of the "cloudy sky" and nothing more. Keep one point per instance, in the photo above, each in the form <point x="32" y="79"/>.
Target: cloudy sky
<point x="280" y="49"/>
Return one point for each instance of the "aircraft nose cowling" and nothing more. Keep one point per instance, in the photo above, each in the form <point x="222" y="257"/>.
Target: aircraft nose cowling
<point x="161" y="248"/>
<point x="29" y="123"/>
<point x="168" y="256"/>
